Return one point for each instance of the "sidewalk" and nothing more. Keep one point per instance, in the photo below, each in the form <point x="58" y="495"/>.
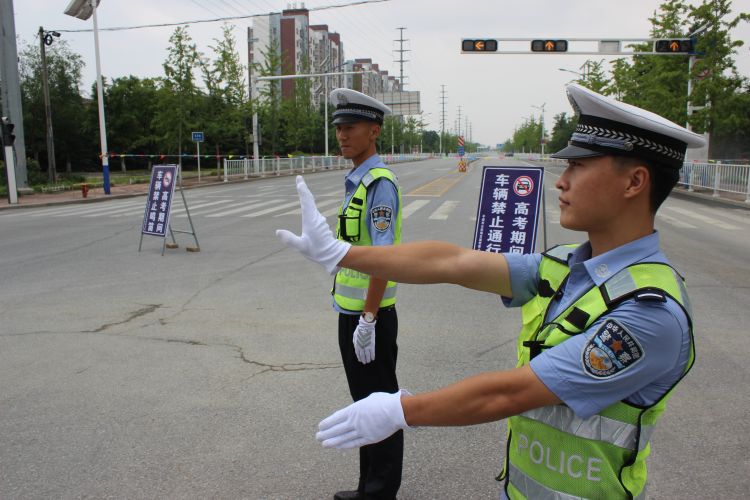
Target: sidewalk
<point x="97" y="194"/>
<point x="132" y="190"/>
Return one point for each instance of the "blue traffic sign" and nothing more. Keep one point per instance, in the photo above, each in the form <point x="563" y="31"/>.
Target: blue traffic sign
<point x="197" y="136"/>
<point x="508" y="211"/>
<point x="461" y="151"/>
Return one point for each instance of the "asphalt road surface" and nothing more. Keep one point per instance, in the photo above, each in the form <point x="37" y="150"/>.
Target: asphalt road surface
<point x="125" y="374"/>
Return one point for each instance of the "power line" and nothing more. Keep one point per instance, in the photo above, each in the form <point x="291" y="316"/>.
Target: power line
<point x="215" y="20"/>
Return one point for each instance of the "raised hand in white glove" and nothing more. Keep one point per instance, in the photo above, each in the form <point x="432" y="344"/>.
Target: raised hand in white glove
<point x="364" y="340"/>
<point x="367" y="421"/>
<point x="316" y="242"/>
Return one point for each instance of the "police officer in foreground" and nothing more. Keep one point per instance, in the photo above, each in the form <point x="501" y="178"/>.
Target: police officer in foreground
<point x="607" y="327"/>
<point x="369" y="216"/>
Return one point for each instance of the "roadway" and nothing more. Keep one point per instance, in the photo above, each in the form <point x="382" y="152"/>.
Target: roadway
<point x="194" y="375"/>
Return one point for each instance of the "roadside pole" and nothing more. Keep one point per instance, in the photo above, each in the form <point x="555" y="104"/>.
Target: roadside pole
<point x="198" y="138"/>
<point x="10" y="169"/>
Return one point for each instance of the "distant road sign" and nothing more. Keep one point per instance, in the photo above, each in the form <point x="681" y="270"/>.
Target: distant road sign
<point x="461" y="140"/>
<point x="461" y="151"/>
<point x="197" y="136"/>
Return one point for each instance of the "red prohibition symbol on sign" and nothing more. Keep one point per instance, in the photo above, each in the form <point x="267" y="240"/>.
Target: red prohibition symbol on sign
<point x="523" y="186"/>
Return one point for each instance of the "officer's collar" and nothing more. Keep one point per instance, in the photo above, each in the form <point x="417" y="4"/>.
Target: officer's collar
<point x="604" y="266"/>
<point x="355" y="176"/>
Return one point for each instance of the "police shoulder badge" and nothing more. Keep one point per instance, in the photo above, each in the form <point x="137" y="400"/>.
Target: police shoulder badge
<point x="610" y="350"/>
<point x="381" y="217"/>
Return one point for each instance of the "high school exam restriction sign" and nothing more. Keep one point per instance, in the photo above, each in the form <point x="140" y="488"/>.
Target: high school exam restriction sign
<point x="159" y="201"/>
<point x="508" y="211"/>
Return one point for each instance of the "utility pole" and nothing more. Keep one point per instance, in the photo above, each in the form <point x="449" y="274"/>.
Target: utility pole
<point x="442" y="119"/>
<point x="401" y="59"/>
<point x="45" y="38"/>
<point x="459" y="122"/>
<point x="11" y="87"/>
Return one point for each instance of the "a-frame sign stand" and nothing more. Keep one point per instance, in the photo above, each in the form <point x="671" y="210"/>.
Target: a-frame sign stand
<point x="156" y="218"/>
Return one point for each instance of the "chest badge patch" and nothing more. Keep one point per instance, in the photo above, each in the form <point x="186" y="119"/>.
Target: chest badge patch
<point x="381" y="217"/>
<point x="610" y="350"/>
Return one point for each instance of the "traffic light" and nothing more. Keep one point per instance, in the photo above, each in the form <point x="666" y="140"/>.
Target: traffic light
<point x="484" y="45"/>
<point x="8" y="136"/>
<point x="549" y="45"/>
<point x="674" y="45"/>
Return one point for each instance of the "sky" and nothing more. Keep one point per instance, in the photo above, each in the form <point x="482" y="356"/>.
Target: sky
<point x="496" y="93"/>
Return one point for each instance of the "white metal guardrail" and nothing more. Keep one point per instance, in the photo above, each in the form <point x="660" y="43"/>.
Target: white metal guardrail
<point x="717" y="177"/>
<point x="247" y="167"/>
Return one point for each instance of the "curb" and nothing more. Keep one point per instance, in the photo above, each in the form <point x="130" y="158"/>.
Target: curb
<point x="684" y="193"/>
<point x="81" y="201"/>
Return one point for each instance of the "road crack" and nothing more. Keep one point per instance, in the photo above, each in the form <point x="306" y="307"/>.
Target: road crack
<point x="149" y="308"/>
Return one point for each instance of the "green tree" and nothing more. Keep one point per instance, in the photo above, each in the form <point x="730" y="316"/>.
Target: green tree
<point x="179" y="98"/>
<point x="561" y="132"/>
<point x="226" y="111"/>
<point x="659" y="83"/>
<point x="130" y="110"/>
<point x="68" y="109"/>
<point x="527" y="137"/>
<point x="268" y="102"/>
<point x="718" y="87"/>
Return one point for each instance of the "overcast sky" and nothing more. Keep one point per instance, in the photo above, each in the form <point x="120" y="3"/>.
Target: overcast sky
<point x="495" y="92"/>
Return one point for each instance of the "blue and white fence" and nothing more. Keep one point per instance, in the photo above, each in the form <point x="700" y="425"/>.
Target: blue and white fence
<point x="717" y="177"/>
<point x="721" y="179"/>
<point x="246" y="168"/>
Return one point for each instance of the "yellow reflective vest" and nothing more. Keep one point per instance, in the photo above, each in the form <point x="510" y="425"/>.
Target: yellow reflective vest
<point x="350" y="286"/>
<point x="551" y="452"/>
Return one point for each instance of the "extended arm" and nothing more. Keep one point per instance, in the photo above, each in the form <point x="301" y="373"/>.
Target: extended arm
<point x="433" y="262"/>
<point x="475" y="400"/>
<point x="482" y="398"/>
<point x="424" y="262"/>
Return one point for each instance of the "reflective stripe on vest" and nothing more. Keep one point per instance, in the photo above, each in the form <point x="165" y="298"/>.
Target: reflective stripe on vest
<point x="350" y="287"/>
<point x="596" y="427"/>
<point x="355" y="293"/>
<point x="548" y="447"/>
<point x="531" y="489"/>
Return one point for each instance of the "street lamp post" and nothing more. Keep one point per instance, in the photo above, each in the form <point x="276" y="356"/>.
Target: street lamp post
<point x="543" y="138"/>
<point x="83" y="9"/>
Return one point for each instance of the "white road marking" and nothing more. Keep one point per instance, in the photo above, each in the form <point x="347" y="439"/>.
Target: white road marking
<point x="413" y="207"/>
<point x="444" y="210"/>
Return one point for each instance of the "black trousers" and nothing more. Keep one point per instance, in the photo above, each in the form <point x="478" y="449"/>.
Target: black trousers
<point x="380" y="463"/>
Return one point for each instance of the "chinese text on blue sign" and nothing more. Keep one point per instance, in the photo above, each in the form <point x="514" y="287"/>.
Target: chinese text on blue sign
<point x="508" y="211"/>
<point x="159" y="201"/>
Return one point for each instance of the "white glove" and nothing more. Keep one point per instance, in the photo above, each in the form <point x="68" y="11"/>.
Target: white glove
<point x="367" y="421"/>
<point x="316" y="242"/>
<point x="364" y="341"/>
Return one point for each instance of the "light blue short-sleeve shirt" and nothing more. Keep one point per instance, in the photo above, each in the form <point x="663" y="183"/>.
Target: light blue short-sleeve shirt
<point x="660" y="328"/>
<point x="382" y="199"/>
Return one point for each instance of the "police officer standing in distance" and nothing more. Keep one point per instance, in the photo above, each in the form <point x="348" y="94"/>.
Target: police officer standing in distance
<point x="369" y="216"/>
<point x="607" y="327"/>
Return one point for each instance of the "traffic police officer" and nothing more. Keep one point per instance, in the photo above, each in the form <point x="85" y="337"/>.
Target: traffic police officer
<point x="607" y="327"/>
<point x="368" y="325"/>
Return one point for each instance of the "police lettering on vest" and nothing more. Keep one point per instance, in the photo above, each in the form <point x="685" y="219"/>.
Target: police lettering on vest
<point x="560" y="461"/>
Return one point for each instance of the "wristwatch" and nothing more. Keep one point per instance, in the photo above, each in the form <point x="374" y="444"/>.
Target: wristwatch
<point x="368" y="316"/>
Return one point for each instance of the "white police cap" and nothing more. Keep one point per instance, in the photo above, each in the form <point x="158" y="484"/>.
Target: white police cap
<point x="353" y="106"/>
<point x="610" y="127"/>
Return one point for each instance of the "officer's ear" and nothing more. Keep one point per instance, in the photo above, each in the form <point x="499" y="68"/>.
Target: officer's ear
<point x="639" y="180"/>
<point x="375" y="130"/>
